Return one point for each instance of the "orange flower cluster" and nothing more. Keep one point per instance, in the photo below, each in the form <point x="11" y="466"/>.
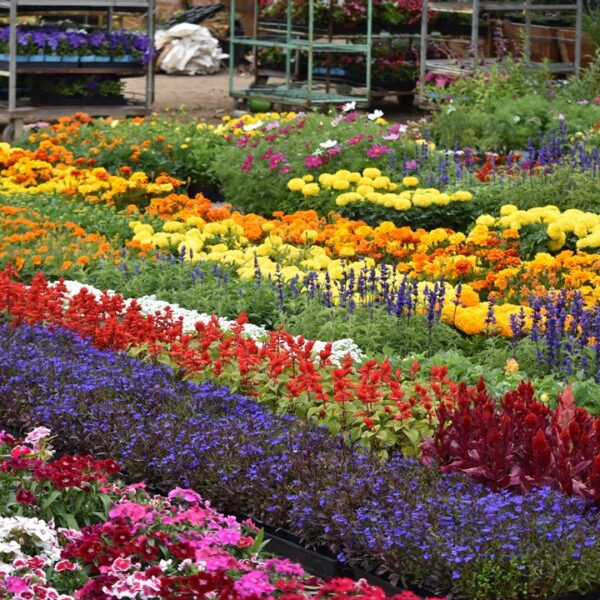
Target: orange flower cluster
<point x="29" y="240"/>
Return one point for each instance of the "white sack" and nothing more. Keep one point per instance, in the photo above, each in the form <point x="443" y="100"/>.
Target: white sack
<point x="188" y="48"/>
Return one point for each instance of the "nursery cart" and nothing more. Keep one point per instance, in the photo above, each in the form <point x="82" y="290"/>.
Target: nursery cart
<point x="307" y="41"/>
<point x="15" y="113"/>
<point x="474" y="9"/>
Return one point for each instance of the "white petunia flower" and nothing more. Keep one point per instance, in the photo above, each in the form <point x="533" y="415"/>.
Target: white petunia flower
<point x="376" y="114"/>
<point x="328" y="144"/>
<point x="252" y="126"/>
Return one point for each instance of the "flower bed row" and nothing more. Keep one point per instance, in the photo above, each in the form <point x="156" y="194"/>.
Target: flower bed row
<point x="558" y="448"/>
<point x="446" y="532"/>
<point x="69" y="530"/>
<point x="370" y="402"/>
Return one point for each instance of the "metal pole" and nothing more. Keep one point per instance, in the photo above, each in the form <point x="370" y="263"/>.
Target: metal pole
<point x="311" y="36"/>
<point x="288" y="50"/>
<point x="369" y="47"/>
<point x="231" y="43"/>
<point x="423" y="51"/>
<point x="527" y="43"/>
<point x="150" y="65"/>
<point x="578" y="36"/>
<point x="12" y="59"/>
<point x="475" y="34"/>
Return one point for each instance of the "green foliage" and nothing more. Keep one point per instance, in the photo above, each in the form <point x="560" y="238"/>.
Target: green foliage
<point x="454" y="215"/>
<point x="503" y="109"/>
<point x="94" y="218"/>
<point x="565" y="187"/>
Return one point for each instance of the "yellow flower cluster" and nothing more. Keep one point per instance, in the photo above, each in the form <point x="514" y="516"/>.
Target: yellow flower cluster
<point x="583" y="225"/>
<point x="224" y="243"/>
<point x="371" y="186"/>
<point x="471" y="320"/>
<point x="32" y="176"/>
<point x="249" y="124"/>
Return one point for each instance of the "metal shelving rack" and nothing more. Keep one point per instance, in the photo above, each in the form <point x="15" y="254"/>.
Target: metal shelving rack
<point x="295" y="39"/>
<point x="15" y="114"/>
<point x="475" y="62"/>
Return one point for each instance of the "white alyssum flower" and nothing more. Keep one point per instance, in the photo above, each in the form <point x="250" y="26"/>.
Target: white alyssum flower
<point x="152" y="305"/>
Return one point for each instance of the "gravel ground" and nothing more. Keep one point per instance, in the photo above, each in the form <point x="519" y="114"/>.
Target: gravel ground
<point x="206" y="97"/>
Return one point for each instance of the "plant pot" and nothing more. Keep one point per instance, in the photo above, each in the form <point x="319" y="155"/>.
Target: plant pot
<point x="89" y="59"/>
<point x="117" y="61"/>
<point x="314" y="562"/>
<point x="124" y="60"/>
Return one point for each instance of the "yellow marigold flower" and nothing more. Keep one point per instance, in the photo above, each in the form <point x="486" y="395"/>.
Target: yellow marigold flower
<point x="309" y="235"/>
<point x="468" y="296"/>
<point x="554" y="231"/>
<point x="508" y="209"/>
<point x="161" y="240"/>
<point x="347" y="251"/>
<point x="402" y="204"/>
<point x="373" y="197"/>
<point x="326" y="179"/>
<point x="173" y="226"/>
<point x="559" y="242"/>
<point x="422" y="200"/>
<point x="343" y="174"/>
<point x="296" y="184"/>
<point x="341" y="184"/>
<point x="410" y="181"/>
<point x="441" y="199"/>
<point x="308" y="178"/>
<point x="195" y="221"/>
<point x="348" y="197"/>
<point x="511" y="366"/>
<point x="365" y="181"/>
<point x="266" y="227"/>
<point x="354" y="177"/>
<point x="461" y="196"/>
<point x="486" y="220"/>
<point x="457" y="238"/>
<point x="381" y="182"/>
<point x="311" y="189"/>
<point x="363" y="190"/>
<point x="371" y="172"/>
<point x="385" y="227"/>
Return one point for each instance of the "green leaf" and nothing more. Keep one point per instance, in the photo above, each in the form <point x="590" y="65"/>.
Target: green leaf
<point x="50" y="499"/>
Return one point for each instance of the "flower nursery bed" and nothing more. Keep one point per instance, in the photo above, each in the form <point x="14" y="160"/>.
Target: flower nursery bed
<point x="384" y="351"/>
<point x="69" y="525"/>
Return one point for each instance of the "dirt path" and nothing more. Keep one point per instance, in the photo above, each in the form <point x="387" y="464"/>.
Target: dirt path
<point x="206" y="97"/>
